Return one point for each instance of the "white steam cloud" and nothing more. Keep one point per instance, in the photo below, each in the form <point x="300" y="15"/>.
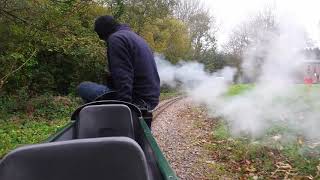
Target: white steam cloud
<point x="275" y="99"/>
<point x="193" y="78"/>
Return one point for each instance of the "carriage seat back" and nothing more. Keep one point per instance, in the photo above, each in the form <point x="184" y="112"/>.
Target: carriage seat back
<point x="105" y="121"/>
<point x="118" y="158"/>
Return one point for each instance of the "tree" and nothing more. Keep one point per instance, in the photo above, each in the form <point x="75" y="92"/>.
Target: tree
<point x="60" y="34"/>
<point x="137" y="13"/>
<point x="201" y="30"/>
<point x="152" y="20"/>
<point x="50" y="46"/>
<point x="185" y="9"/>
<point x="249" y="40"/>
<point x="255" y="30"/>
<point x="168" y="36"/>
<point x="202" y="37"/>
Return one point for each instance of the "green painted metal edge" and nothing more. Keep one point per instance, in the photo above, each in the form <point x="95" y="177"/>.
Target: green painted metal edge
<point x="166" y="170"/>
<point x="60" y="132"/>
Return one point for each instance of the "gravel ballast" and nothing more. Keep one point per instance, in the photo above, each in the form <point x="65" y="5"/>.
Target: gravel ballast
<point x="181" y="131"/>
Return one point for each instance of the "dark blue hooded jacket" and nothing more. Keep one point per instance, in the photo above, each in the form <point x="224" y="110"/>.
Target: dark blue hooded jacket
<point x="133" y="68"/>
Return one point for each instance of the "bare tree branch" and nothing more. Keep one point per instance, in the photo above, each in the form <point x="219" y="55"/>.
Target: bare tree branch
<point x="5" y="78"/>
<point x="12" y="15"/>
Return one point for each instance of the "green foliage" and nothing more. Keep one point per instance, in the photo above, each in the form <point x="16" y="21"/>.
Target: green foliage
<point x="239" y="89"/>
<point x="52" y="107"/>
<point x="24" y="121"/>
<point x="221" y="131"/>
<point x="68" y="51"/>
<point x="168" y="95"/>
<point x="302" y="162"/>
<point x="46" y="107"/>
<point x="140" y="13"/>
<point x="15" y="134"/>
<point x="169" y="37"/>
<point x="257" y="157"/>
<point x="117" y="8"/>
<point x="48" y="47"/>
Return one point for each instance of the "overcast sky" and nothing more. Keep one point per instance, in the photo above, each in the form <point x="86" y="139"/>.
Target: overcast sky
<point x="229" y="13"/>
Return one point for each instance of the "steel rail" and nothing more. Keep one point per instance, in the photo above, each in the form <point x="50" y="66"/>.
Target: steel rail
<point x="164" y="106"/>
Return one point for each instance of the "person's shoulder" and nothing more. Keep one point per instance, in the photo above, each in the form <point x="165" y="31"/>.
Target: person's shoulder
<point x="124" y="36"/>
<point x="116" y="37"/>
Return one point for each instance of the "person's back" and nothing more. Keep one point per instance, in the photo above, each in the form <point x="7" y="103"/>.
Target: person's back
<point x="134" y="75"/>
<point x="127" y="49"/>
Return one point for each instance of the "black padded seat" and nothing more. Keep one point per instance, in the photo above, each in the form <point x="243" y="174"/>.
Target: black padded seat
<point x="111" y="95"/>
<point x="114" y="158"/>
<point x="105" y="121"/>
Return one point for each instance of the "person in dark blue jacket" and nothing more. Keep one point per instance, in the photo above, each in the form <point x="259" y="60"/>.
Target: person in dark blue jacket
<point x="133" y="70"/>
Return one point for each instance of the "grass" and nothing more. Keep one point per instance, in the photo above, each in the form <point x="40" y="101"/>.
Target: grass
<point x="244" y="158"/>
<point x="17" y="133"/>
<point x="264" y="158"/>
<point x="29" y="121"/>
<point x="168" y="95"/>
<point x="239" y="89"/>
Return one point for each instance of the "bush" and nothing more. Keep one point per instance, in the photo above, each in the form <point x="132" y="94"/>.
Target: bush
<point x="46" y="107"/>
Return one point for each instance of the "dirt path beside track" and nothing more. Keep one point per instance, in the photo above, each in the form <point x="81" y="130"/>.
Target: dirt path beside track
<point x="182" y="131"/>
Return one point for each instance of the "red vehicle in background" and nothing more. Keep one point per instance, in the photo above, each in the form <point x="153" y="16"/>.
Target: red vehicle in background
<point x="311" y="72"/>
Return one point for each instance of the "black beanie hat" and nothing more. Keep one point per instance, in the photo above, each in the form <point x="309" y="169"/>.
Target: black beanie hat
<point x="105" y="26"/>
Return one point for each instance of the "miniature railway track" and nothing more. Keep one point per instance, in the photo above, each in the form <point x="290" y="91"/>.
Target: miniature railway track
<point x="164" y="106"/>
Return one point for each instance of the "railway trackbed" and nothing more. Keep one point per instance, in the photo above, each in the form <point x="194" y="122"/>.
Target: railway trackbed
<point x="181" y="131"/>
<point x="165" y="105"/>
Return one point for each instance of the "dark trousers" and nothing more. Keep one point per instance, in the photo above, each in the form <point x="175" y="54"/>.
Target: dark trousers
<point x="89" y="91"/>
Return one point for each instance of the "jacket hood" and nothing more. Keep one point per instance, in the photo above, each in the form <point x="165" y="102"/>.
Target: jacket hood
<point x="105" y="26"/>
